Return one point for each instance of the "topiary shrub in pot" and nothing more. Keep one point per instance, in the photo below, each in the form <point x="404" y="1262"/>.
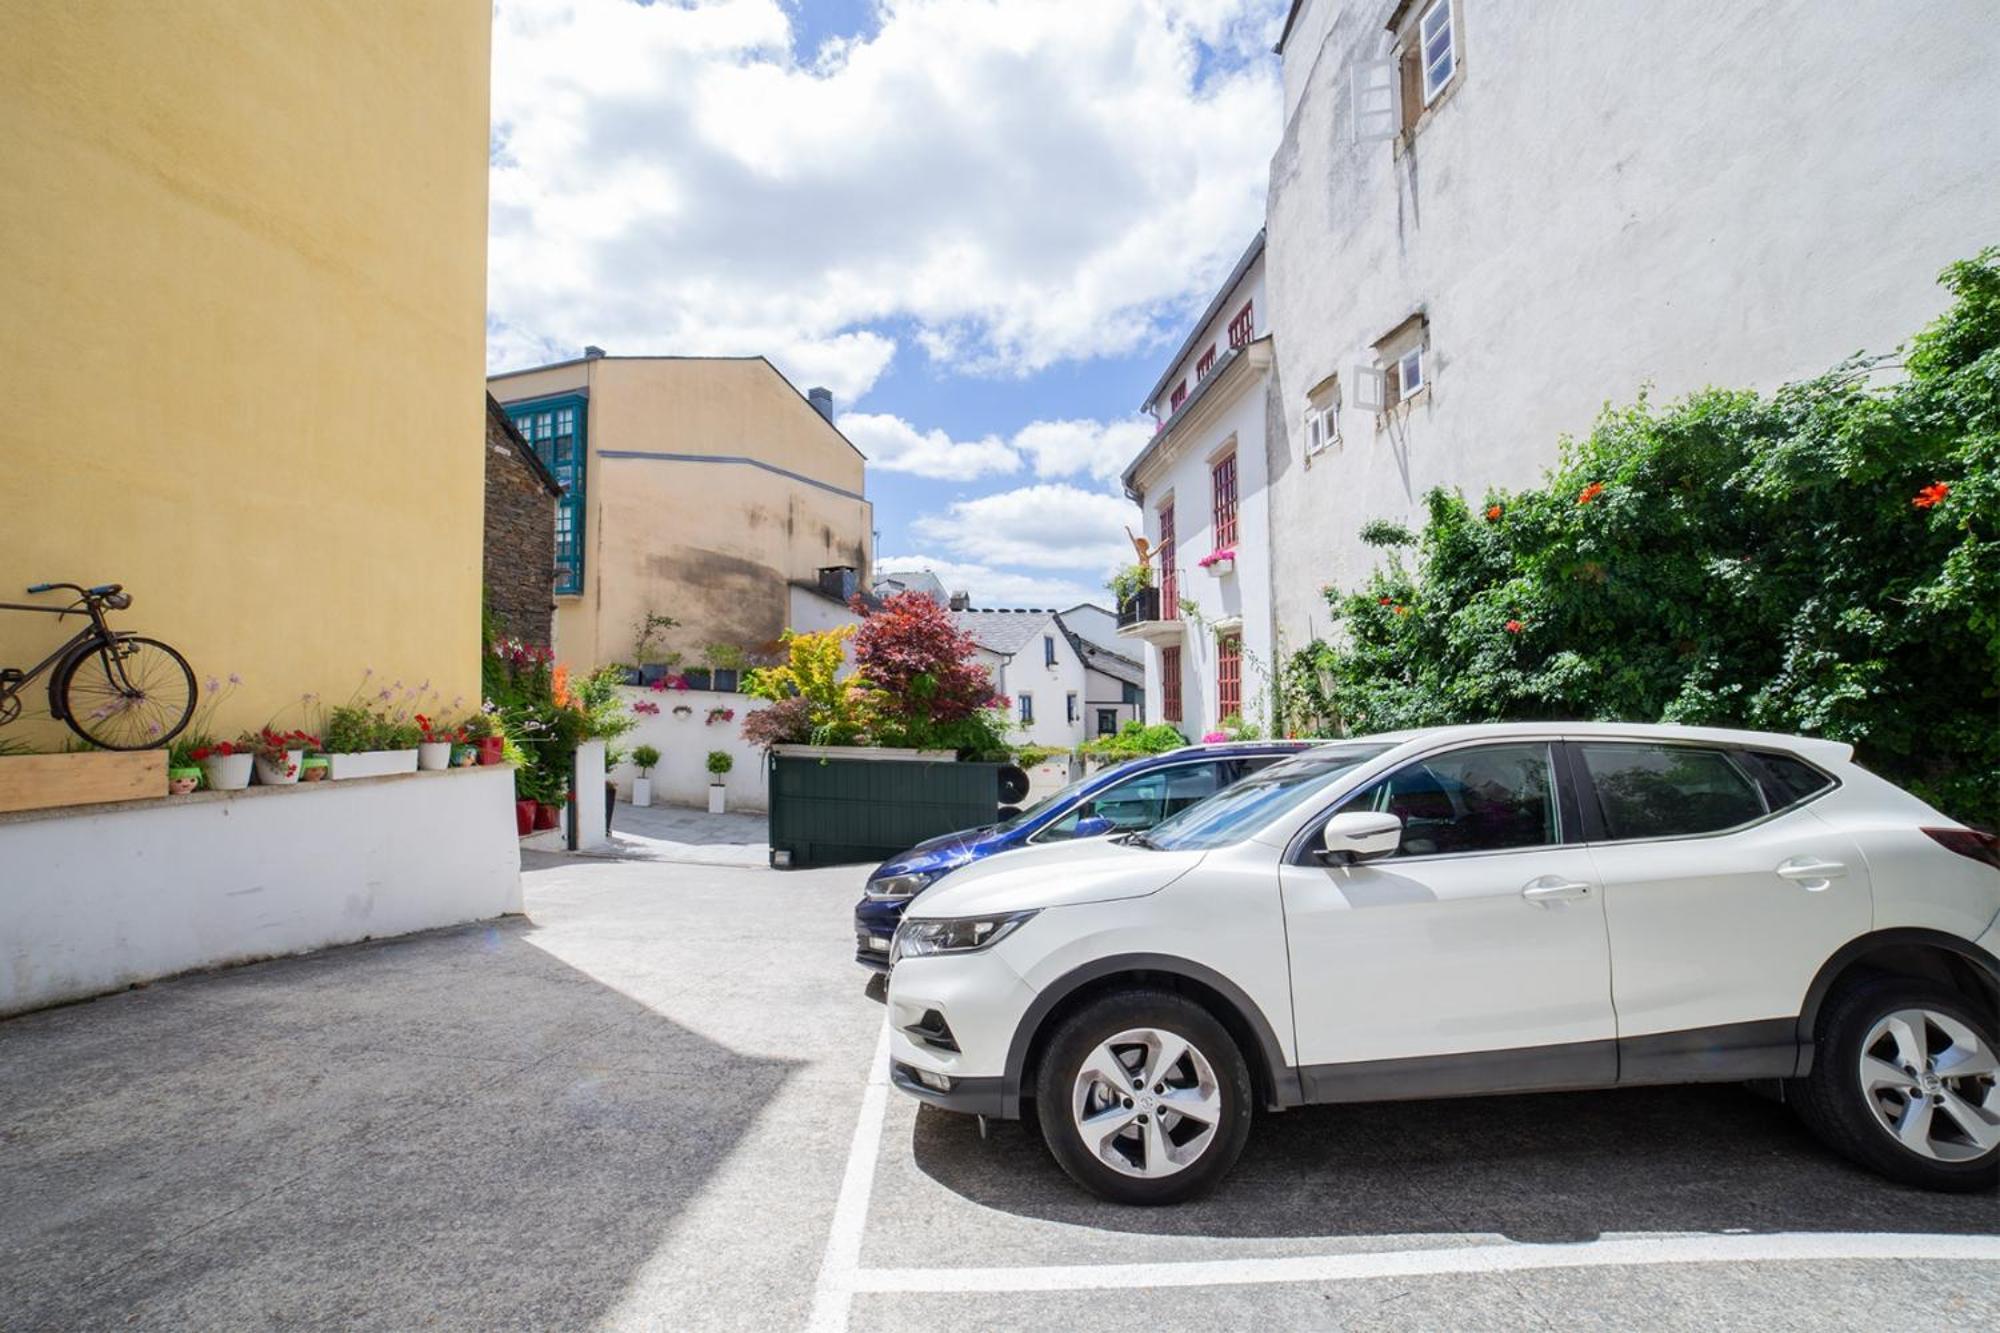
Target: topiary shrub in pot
<point x="647" y="758"/>
<point x="719" y="763"/>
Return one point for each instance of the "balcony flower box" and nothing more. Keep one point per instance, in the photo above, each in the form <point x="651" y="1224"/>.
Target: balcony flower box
<point x="1220" y="563"/>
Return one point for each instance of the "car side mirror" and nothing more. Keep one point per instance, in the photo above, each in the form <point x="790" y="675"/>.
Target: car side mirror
<point x="1093" y="826"/>
<point x="1359" y="835"/>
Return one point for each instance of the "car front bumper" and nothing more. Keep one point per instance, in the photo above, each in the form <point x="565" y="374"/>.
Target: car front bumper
<point x="875" y="921"/>
<point x="952" y="1020"/>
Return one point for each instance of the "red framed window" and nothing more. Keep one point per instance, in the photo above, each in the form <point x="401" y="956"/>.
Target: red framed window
<point x="1170" y="684"/>
<point x="1222" y="483"/>
<point x="1206" y="364"/>
<point x="1170" y="583"/>
<point x="1180" y="396"/>
<point x="1228" y="676"/>
<point x="1240" y="327"/>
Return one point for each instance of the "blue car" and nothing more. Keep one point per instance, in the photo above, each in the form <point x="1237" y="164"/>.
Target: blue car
<point x="1133" y="795"/>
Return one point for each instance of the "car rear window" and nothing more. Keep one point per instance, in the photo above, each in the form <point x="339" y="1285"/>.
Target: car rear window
<point x="1668" y="791"/>
<point x="1789" y="779"/>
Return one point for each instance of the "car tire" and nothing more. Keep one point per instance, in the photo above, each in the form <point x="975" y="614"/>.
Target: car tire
<point x="1178" y="1127"/>
<point x="1856" y="1109"/>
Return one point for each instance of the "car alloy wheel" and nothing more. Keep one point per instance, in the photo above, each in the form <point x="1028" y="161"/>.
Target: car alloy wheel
<point x="1931" y="1082"/>
<point x="1146" y="1103"/>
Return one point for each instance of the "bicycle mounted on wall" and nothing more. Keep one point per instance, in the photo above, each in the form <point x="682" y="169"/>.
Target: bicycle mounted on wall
<point x="116" y="689"/>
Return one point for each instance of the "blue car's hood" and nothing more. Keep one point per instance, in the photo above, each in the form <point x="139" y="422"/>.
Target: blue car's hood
<point x="940" y="853"/>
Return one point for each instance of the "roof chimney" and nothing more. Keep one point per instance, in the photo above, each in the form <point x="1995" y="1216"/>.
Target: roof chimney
<point x="822" y="401"/>
<point x="591" y="351"/>
<point x="961" y="601"/>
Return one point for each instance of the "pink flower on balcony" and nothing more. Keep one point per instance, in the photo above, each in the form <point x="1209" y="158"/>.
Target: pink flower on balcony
<point x="1217" y="557"/>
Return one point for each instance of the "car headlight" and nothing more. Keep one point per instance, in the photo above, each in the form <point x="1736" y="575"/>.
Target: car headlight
<point x="901" y="886"/>
<point x="967" y="934"/>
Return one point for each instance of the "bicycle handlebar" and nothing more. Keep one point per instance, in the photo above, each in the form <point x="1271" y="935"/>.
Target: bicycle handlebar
<point x="101" y="590"/>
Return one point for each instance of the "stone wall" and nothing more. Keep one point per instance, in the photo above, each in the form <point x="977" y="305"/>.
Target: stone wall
<point x="520" y="538"/>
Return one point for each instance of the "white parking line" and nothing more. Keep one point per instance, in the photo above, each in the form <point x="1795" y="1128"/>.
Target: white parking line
<point x="1493" y="1258"/>
<point x="833" y="1293"/>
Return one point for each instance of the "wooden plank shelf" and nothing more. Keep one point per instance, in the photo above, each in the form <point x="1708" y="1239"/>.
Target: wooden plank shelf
<point x="91" y="777"/>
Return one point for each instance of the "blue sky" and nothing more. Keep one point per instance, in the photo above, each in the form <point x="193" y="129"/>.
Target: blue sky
<point x="983" y="223"/>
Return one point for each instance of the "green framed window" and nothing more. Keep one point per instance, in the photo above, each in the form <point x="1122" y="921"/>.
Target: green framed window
<point x="557" y="430"/>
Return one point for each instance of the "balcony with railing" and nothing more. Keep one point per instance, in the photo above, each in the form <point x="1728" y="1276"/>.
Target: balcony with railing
<point x="1151" y="614"/>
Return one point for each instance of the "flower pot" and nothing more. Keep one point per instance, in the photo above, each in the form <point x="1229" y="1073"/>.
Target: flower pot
<point x="492" y="749"/>
<point x="642" y="791"/>
<point x="1221" y="568"/>
<point x="271" y="773"/>
<point x="635" y="676"/>
<point x="433" y="756"/>
<point x="464" y="756"/>
<point x="313" y="768"/>
<point x="724" y="680"/>
<point x="227" y="772"/>
<point x="696" y="678"/>
<point x="652" y="673"/>
<point x="715" y="798"/>
<point x="181" y="781"/>
<point x="548" y="816"/>
<point x="371" y="764"/>
<point x="524" y="818"/>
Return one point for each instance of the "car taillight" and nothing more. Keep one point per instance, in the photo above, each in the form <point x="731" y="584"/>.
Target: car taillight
<point x="1968" y="842"/>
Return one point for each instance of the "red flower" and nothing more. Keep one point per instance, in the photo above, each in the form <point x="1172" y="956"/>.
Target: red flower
<point x="1384" y="601"/>
<point x="1493" y="513"/>
<point x="1590" y="492"/>
<point x="1402" y="610"/>
<point x="1513" y="627"/>
<point x="200" y="752"/>
<point x="1931" y="495"/>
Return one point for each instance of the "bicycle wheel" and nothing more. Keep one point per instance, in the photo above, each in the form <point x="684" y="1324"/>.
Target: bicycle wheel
<point x="132" y="694"/>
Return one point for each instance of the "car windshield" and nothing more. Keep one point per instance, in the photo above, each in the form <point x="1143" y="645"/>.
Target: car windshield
<point x="1234" y="813"/>
<point x="1052" y="801"/>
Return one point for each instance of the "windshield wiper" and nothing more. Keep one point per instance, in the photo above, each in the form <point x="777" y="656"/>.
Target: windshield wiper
<point x="1139" y="839"/>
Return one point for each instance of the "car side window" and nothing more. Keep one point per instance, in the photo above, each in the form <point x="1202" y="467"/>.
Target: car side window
<point x="1668" y="791"/>
<point x="1142" y="801"/>
<point x="1486" y="799"/>
<point x="1789" y="779"/>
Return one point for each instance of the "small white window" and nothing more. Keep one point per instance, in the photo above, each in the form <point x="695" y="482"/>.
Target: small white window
<point x="1437" y="48"/>
<point x="1371" y="388"/>
<point x="1410" y="373"/>
<point x="1322" y="420"/>
<point x="1376" y="107"/>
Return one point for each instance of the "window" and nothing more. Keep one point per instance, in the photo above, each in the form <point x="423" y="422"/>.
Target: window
<point x="1229" y="676"/>
<point x="1206" y="364"/>
<point x="555" y="429"/>
<point x="1486" y="799"/>
<point x="1222" y="485"/>
<point x="1048" y="650"/>
<point x="1436" y="49"/>
<point x="1027" y="710"/>
<point x="1180" y="396"/>
<point x="1170" y="684"/>
<point x="1144" y="800"/>
<point x="1668" y="791"/>
<point x="1107" y="722"/>
<point x="1069" y="708"/>
<point x="1130" y="693"/>
<point x="1788" y="779"/>
<point x="1406" y="377"/>
<point x="1402" y="366"/>
<point x="1241" y="327"/>
<point x="1322" y="424"/>
<point x="1170" y="579"/>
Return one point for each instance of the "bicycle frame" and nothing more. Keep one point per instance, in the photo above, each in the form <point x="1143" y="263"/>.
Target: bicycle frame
<point x="99" y="634"/>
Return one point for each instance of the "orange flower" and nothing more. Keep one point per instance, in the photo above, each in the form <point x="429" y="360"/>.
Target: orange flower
<point x="559" y="686"/>
<point x="1590" y="492"/>
<point x="1493" y="513"/>
<point x="1931" y="495"/>
<point x="1513" y="627"/>
<point x="1402" y="610"/>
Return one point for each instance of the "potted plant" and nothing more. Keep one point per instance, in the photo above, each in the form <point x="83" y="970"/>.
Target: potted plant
<point x="1220" y="563"/>
<point x="482" y="733"/>
<point x="279" y="755"/>
<point x="719" y="763"/>
<point x="365" y="744"/>
<point x="225" y="764"/>
<point x="464" y="754"/>
<point x="647" y="758"/>
<point x="183" y="769"/>
<point x="313" y="768"/>
<point x="716" y="715"/>
<point x="647" y="647"/>
<point x="437" y="739"/>
<point x="725" y="663"/>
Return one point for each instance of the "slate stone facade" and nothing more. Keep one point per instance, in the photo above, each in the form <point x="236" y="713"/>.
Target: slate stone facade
<point x="520" y="533"/>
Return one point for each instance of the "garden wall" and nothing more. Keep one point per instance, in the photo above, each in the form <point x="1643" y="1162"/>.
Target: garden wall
<point x="97" y="898"/>
<point x="684" y="743"/>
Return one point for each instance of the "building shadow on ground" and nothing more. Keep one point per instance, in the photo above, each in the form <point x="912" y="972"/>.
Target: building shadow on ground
<point x="452" y="1129"/>
<point x="1551" y="1168"/>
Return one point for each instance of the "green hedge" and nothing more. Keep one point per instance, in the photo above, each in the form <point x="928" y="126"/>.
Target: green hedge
<point x="1823" y="560"/>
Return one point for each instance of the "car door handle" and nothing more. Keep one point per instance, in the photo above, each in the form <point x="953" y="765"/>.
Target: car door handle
<point x="1810" y="873"/>
<point x="1553" y="889"/>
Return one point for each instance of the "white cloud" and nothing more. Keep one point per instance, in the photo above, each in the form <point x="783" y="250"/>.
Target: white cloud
<point x="1019" y="182"/>
<point x="992" y="587"/>
<point x="1096" y="449"/>
<point x="1045" y="526"/>
<point x="894" y="445"/>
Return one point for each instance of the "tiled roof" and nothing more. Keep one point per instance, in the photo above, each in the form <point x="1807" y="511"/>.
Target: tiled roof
<point x="1005" y="632"/>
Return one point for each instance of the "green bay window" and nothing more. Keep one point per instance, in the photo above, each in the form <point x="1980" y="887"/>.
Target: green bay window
<point x="555" y="428"/>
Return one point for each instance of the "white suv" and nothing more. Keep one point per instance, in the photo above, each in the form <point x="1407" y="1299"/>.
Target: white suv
<point x="1481" y="909"/>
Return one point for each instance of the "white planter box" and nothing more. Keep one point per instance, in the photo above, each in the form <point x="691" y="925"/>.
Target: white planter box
<point x="227" y="772"/>
<point x="433" y="755"/>
<point x="1221" y="568"/>
<point x="716" y="798"/>
<point x="642" y="791"/>
<point x="370" y="764"/>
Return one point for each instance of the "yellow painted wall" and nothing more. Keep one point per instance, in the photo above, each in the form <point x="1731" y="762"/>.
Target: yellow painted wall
<point x="711" y="544"/>
<point x="242" y="308"/>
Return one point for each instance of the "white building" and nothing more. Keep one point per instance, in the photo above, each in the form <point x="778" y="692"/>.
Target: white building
<point x="1487" y="220"/>
<point x="1201" y="486"/>
<point x="1064" y="688"/>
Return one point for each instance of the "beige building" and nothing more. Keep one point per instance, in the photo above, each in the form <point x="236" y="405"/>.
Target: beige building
<point x="700" y="488"/>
